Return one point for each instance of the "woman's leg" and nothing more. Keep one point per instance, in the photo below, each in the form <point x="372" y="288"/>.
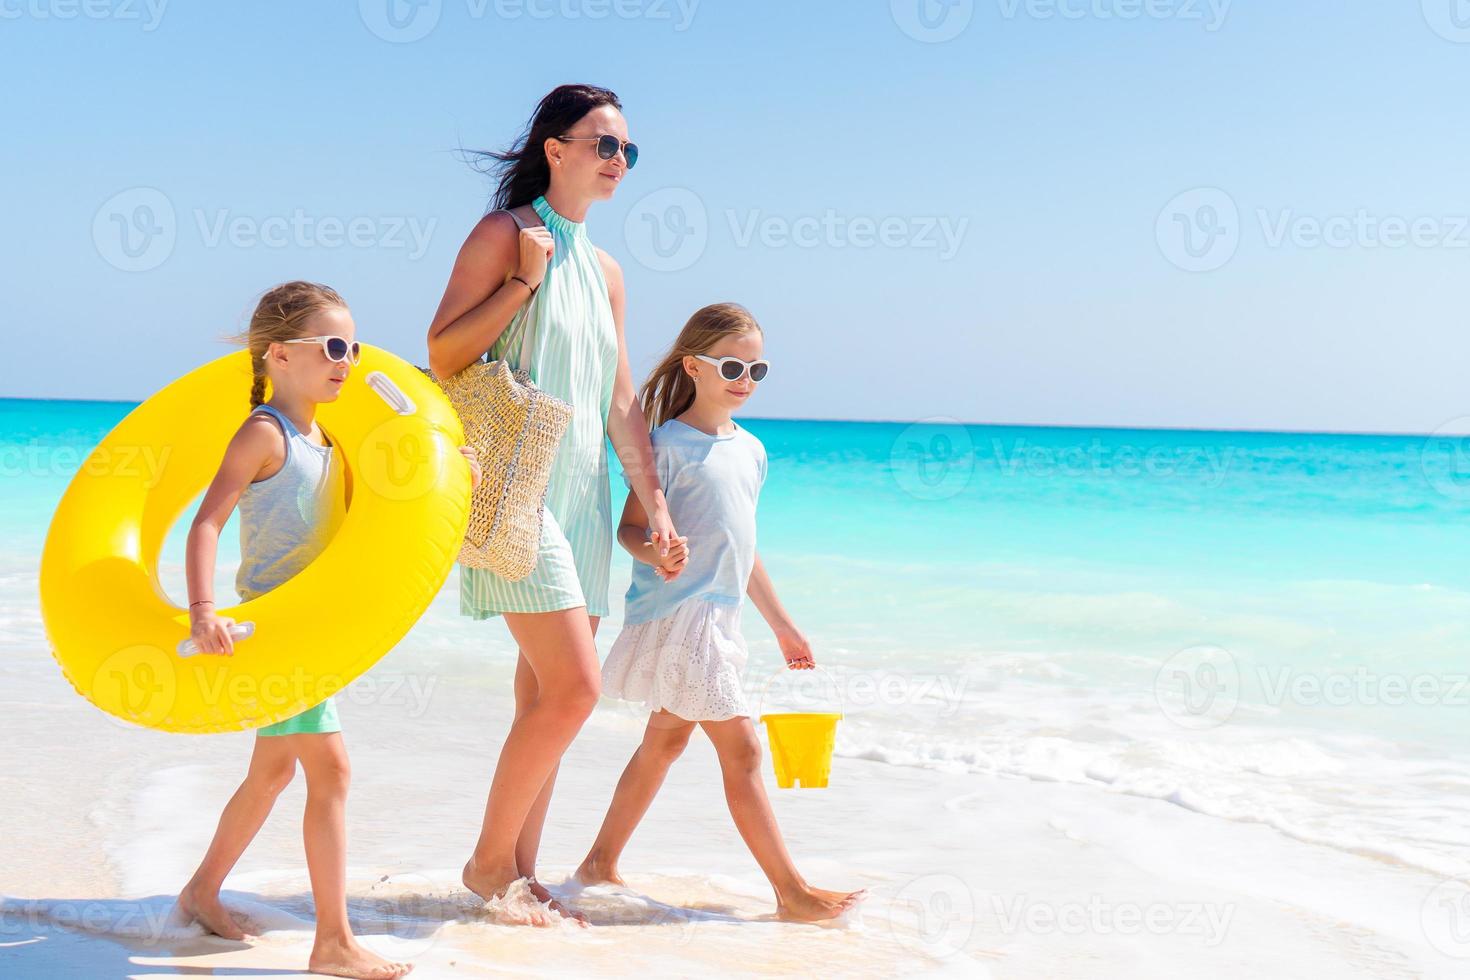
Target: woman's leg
<point x="272" y="764"/>
<point x="740" y="760"/>
<point x="529" y="843"/>
<point x="663" y="741"/>
<point x="336" y="951"/>
<point x="559" y="649"/>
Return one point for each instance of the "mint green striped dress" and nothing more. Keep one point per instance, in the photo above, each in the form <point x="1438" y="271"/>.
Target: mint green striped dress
<point x="574" y="355"/>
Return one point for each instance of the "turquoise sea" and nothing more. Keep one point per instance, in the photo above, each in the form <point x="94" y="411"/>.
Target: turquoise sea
<point x="1267" y="627"/>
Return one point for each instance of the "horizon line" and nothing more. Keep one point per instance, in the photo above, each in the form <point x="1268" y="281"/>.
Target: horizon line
<point x="962" y="422"/>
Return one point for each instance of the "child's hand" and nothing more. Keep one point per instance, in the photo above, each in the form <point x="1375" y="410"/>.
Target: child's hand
<point x="473" y="458"/>
<point x="669" y="566"/>
<point x="796" y="649"/>
<point x="211" y="633"/>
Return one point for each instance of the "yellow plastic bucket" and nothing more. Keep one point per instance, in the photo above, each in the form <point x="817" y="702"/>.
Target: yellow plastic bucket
<point x="801" y="743"/>
<point x="801" y="746"/>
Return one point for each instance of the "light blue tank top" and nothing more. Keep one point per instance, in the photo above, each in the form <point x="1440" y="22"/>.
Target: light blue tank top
<point x="288" y="518"/>
<point x="712" y="484"/>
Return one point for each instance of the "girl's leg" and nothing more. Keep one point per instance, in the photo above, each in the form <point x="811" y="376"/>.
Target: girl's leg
<point x="740" y="758"/>
<point x="272" y="765"/>
<point x="336" y="951"/>
<point x="663" y="741"/>
<point x="559" y="648"/>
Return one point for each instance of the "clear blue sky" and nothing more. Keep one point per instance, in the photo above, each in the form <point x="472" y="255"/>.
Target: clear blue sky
<point x="1048" y="138"/>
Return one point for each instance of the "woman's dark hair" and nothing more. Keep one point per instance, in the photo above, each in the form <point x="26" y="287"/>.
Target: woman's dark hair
<point x="521" y="173"/>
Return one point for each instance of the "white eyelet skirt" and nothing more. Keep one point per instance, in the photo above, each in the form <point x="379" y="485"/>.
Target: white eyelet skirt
<point x="688" y="663"/>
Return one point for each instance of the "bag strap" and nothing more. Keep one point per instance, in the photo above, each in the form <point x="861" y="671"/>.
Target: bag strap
<point x="522" y="359"/>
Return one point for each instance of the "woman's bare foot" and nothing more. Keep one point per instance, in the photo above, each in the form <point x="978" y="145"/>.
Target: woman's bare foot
<point x="594" y="873"/>
<point x="816" y="904"/>
<point x="203" y="906"/>
<point x="491" y="888"/>
<point x="544" y="897"/>
<point x="348" y="958"/>
<point x="486" y="883"/>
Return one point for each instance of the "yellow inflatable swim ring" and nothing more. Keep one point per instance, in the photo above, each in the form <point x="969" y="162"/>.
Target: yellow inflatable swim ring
<point x="116" y="634"/>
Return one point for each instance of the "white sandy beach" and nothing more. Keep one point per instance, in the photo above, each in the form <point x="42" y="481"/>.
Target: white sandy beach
<point x="970" y="874"/>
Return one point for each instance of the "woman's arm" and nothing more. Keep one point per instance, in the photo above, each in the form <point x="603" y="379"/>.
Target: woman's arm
<point x="633" y="536"/>
<point x="762" y="592"/>
<point x="481" y="297"/>
<point x="257" y="451"/>
<point x="627" y="426"/>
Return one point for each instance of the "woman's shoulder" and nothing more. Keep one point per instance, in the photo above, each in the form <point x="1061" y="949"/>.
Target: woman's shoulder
<point x="495" y="228"/>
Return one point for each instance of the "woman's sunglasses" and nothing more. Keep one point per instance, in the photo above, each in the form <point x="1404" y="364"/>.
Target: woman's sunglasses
<point x="733" y="368"/>
<point x="608" y="146"/>
<point x="337" y="349"/>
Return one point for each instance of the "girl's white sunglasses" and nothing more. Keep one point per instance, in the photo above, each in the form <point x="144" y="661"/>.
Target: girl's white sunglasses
<point x="336" y="348"/>
<point x="733" y="368"/>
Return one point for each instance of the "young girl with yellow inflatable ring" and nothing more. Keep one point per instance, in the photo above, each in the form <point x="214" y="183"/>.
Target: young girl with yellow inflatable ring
<point x="290" y="484"/>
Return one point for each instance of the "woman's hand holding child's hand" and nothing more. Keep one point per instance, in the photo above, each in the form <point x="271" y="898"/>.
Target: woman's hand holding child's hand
<point x="476" y="473"/>
<point x="796" y="649"/>
<point x="667" y="567"/>
<point x="211" y="633"/>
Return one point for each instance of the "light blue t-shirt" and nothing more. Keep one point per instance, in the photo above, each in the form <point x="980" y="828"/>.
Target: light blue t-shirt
<point x="712" y="484"/>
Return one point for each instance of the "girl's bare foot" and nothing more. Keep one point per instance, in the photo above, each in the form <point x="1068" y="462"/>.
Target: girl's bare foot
<point x="816" y="904"/>
<point x="845" y="899"/>
<point x="594" y="873"/>
<point x="348" y="958"/>
<point x="203" y="906"/>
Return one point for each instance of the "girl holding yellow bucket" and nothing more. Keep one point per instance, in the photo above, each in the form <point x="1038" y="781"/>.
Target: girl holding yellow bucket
<point x="681" y="651"/>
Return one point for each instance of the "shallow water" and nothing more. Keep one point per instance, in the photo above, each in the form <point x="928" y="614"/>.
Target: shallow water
<point x="1258" y="627"/>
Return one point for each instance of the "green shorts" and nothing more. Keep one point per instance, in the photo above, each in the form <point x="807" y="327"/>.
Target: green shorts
<point x="318" y="720"/>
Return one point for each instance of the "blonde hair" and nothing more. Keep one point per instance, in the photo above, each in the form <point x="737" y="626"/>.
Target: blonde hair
<point x="669" y="391"/>
<point x="281" y="315"/>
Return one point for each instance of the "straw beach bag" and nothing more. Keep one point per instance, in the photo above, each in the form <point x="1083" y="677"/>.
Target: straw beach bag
<point x="514" y="427"/>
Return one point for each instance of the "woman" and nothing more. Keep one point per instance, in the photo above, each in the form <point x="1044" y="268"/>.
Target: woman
<point x="531" y="259"/>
